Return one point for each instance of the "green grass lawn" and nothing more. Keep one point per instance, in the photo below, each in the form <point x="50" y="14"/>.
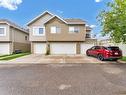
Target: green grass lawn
<point x="12" y="56"/>
<point x="3" y="55"/>
<point x="124" y="58"/>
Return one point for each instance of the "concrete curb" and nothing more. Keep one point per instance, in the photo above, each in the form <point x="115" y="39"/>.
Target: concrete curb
<point x="120" y="61"/>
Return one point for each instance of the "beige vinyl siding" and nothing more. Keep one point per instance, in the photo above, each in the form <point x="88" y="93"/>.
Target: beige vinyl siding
<point x="18" y="36"/>
<point x="19" y="41"/>
<point x="38" y="23"/>
<point x="7" y="37"/>
<point x="64" y="35"/>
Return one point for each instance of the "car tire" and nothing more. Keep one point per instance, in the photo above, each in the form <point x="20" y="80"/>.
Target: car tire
<point x="115" y="59"/>
<point x="100" y="57"/>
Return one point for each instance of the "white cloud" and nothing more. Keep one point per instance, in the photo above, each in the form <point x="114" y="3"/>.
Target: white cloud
<point x="98" y="1"/>
<point x="10" y="4"/>
<point x="93" y="26"/>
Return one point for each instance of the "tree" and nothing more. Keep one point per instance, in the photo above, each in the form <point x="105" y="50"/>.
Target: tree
<point x="113" y="20"/>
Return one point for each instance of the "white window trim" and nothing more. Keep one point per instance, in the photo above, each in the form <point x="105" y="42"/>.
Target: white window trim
<point x="38" y="34"/>
<point x="70" y="27"/>
<point x="73" y="29"/>
<point x="5" y="30"/>
<point x="52" y="32"/>
<point x="55" y="30"/>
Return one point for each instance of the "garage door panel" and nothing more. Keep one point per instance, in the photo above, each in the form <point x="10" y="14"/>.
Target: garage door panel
<point x="4" y="48"/>
<point x="40" y="48"/>
<point x="63" y="48"/>
<point x="85" y="47"/>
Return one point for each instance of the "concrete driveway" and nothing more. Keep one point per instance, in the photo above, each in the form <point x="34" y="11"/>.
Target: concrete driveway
<point x="63" y="79"/>
<point x="42" y="59"/>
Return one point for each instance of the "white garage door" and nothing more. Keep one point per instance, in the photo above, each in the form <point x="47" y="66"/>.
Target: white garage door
<point x="4" y="48"/>
<point x="85" y="47"/>
<point x="63" y="48"/>
<point x="40" y="48"/>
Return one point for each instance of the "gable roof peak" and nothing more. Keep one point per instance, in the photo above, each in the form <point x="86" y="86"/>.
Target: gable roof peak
<point x="47" y="12"/>
<point x="43" y="13"/>
<point x="56" y="16"/>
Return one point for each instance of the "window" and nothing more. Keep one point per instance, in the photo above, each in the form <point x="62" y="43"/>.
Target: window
<point x="97" y="47"/>
<point x="55" y="29"/>
<point x="26" y="38"/>
<point x="38" y="31"/>
<point x="74" y="29"/>
<point x="88" y="36"/>
<point x="2" y="31"/>
<point x="93" y="48"/>
<point x="113" y="48"/>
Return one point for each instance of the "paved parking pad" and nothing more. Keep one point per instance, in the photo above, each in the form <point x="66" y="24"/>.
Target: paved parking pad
<point x="42" y="59"/>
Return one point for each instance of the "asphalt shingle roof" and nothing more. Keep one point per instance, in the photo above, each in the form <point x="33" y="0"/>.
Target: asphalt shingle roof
<point x="13" y="25"/>
<point x="75" y="21"/>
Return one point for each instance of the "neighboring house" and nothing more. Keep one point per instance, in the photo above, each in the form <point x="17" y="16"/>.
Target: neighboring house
<point x="52" y="34"/>
<point x="88" y="32"/>
<point x="12" y="37"/>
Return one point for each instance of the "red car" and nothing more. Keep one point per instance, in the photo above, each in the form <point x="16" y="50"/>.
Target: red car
<point x="103" y="53"/>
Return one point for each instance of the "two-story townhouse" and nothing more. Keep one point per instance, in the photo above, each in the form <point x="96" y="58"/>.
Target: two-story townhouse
<point x="53" y="34"/>
<point x="12" y="38"/>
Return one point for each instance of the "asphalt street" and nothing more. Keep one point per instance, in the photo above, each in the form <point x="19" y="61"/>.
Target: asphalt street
<point x="63" y="79"/>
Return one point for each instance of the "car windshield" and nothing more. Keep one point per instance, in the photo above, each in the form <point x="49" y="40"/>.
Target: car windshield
<point x="113" y="48"/>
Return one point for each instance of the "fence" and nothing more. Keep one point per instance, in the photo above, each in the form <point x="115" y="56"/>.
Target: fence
<point x="120" y="45"/>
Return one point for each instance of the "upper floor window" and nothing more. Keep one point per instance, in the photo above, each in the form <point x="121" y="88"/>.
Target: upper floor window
<point x="26" y="38"/>
<point x="55" y="29"/>
<point x="38" y="31"/>
<point x="74" y="29"/>
<point x="2" y="31"/>
<point x="88" y="35"/>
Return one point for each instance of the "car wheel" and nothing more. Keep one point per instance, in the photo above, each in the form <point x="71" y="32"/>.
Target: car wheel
<point x="87" y="53"/>
<point x="100" y="57"/>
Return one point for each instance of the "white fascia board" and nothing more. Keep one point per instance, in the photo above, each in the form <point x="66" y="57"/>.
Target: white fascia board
<point x="39" y="16"/>
<point x="58" y="18"/>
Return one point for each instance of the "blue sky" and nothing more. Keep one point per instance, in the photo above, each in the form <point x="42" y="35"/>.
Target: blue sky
<point x="22" y="11"/>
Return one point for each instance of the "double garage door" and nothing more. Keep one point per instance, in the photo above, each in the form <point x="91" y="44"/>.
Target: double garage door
<point x="55" y="48"/>
<point x="61" y="48"/>
<point x="4" y="48"/>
